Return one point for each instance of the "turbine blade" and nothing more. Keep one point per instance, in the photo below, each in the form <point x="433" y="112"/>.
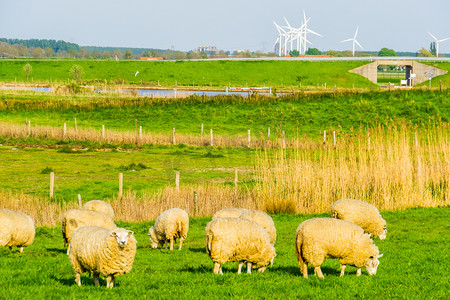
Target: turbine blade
<point x="347" y="40"/>
<point x="444" y="39"/>
<point x="356" y="33"/>
<point x="313" y="32"/>
<point x="433" y="37"/>
<point x="359" y="44"/>
<point x="287" y="23"/>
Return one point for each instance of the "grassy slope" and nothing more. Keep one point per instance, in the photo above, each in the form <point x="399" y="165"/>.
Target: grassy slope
<point x="235" y="115"/>
<point x="413" y="267"/>
<point x="201" y="73"/>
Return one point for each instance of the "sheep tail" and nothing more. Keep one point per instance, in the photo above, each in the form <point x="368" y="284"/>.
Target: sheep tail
<point x="209" y="238"/>
<point x="179" y="226"/>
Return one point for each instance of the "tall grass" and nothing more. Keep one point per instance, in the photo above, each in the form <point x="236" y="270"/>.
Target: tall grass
<point x="393" y="168"/>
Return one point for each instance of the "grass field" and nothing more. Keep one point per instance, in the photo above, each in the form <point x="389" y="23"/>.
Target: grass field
<point x="413" y="267"/>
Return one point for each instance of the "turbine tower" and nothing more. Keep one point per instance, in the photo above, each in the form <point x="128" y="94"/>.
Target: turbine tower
<point x="354" y="41"/>
<point x="437" y="43"/>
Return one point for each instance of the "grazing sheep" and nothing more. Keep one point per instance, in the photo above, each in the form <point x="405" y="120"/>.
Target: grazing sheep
<point x="361" y="213"/>
<point x="75" y="218"/>
<point x="102" y="251"/>
<point x="16" y="229"/>
<point x="321" y="238"/>
<point x="232" y="212"/>
<point x="100" y="206"/>
<point x="170" y="225"/>
<point x="234" y="239"/>
<point x="263" y="219"/>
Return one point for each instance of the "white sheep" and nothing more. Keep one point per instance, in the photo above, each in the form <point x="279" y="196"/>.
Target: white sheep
<point x="321" y="238"/>
<point x="361" y="213"/>
<point x="16" y="229"/>
<point x="100" y="206"/>
<point x="102" y="251"/>
<point x="75" y="218"/>
<point x="232" y="212"/>
<point x="263" y="219"/>
<point x="169" y="225"/>
<point x="234" y="239"/>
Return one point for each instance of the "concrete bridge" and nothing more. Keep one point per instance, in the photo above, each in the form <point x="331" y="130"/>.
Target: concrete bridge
<point x="420" y="72"/>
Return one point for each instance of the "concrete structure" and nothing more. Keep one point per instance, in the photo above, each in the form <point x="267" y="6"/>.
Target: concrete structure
<point x="420" y="70"/>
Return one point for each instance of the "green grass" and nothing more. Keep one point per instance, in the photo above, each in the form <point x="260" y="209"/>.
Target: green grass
<point x="94" y="174"/>
<point x="228" y="115"/>
<point x="414" y="266"/>
<point x="279" y="74"/>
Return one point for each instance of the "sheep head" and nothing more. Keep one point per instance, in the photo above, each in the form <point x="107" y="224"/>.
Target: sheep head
<point x="122" y="236"/>
<point x="371" y="263"/>
<point x="153" y="238"/>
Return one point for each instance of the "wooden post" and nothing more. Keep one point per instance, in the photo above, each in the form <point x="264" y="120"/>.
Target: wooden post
<point x="103" y="131"/>
<point x="175" y="93"/>
<point x="201" y="133"/>
<point x="177" y="180"/>
<point x="212" y="139"/>
<point x="173" y="136"/>
<point x="29" y="127"/>
<point x="324" y="136"/>
<point x="334" y="138"/>
<point x="195" y="204"/>
<point x="80" y="203"/>
<point x="236" y="178"/>
<point x="268" y="133"/>
<point x="52" y="183"/>
<point x="64" y="130"/>
<point x="368" y="141"/>
<point x="249" y="138"/>
<point x="416" y="141"/>
<point x="120" y="185"/>
<point x="140" y="132"/>
<point x="284" y="140"/>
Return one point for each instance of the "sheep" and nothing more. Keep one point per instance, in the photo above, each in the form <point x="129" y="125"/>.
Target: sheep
<point x="109" y="252"/>
<point x="232" y="212"/>
<point x="16" y="229"/>
<point x="263" y="219"/>
<point x="100" y="206"/>
<point x="361" y="213"/>
<point x="75" y="218"/>
<point x="169" y="225"/>
<point x="320" y="238"/>
<point x="235" y="239"/>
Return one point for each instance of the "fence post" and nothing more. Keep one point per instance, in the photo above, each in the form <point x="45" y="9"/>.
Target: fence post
<point x="368" y="141"/>
<point x="284" y="140"/>
<point x="324" y="136"/>
<point x="103" y="131"/>
<point x="173" y="136"/>
<point x="64" y="130"/>
<point x="195" y="204"/>
<point x="227" y="91"/>
<point x="201" y="133"/>
<point x="177" y="180"/>
<point x="29" y="127"/>
<point x="175" y="93"/>
<point x="268" y="133"/>
<point x="334" y="138"/>
<point x="140" y="132"/>
<point x="120" y="185"/>
<point x="52" y="183"/>
<point x="80" y="203"/>
<point x="212" y="139"/>
<point x="249" y="138"/>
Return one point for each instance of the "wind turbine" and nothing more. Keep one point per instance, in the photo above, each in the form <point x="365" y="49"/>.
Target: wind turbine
<point x="306" y="30"/>
<point x="354" y="41"/>
<point x="281" y="33"/>
<point x="437" y="43"/>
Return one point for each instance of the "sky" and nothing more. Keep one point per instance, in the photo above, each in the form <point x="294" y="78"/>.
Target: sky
<point x="229" y="25"/>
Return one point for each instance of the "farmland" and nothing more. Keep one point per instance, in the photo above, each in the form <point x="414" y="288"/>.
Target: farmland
<point x="413" y="266"/>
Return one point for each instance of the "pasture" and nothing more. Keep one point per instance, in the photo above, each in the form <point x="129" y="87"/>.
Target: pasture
<point x="413" y="266"/>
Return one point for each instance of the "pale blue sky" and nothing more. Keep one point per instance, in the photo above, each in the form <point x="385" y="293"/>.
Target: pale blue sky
<point x="230" y="25"/>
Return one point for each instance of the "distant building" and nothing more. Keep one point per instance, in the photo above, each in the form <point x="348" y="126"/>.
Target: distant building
<point x="208" y="49"/>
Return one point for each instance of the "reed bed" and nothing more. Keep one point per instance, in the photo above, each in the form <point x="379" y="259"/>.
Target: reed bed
<point x="397" y="167"/>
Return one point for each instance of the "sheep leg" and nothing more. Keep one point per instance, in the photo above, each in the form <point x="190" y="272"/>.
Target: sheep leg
<point x="171" y="243"/>
<point x="110" y="281"/>
<point x="220" y="271"/>
<point x="165" y="244"/>
<point x="304" y="269"/>
<point x="78" y="279"/>
<point x="96" y="281"/>
<point x="217" y="268"/>
<point x="249" y="267"/>
<point x="342" y="270"/>
<point x="240" y="267"/>
<point x="21" y="249"/>
<point x="181" y="243"/>
<point x="318" y="272"/>
<point x="10" y="247"/>
<point x="358" y="272"/>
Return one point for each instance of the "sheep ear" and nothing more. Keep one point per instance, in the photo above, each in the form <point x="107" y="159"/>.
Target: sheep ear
<point x="114" y="234"/>
<point x="380" y="255"/>
<point x="130" y="233"/>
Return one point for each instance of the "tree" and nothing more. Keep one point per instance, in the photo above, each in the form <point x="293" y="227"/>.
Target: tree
<point x="424" y="53"/>
<point x="294" y="53"/>
<point x="347" y="53"/>
<point x="76" y="72"/>
<point x="387" y="52"/>
<point x="49" y="52"/>
<point x="334" y="53"/>
<point x="313" y="51"/>
<point x="27" y="70"/>
<point x="128" y="54"/>
<point x="38" y="52"/>
<point x="433" y="48"/>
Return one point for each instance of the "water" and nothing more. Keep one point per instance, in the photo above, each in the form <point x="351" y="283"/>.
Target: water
<point x="150" y="92"/>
